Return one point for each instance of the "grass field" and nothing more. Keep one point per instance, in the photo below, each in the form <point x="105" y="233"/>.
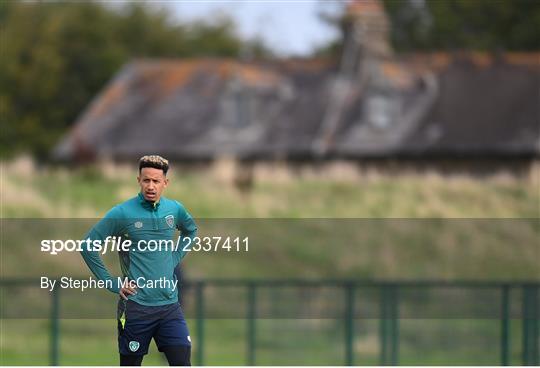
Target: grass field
<point x="89" y="193"/>
<point x="437" y="238"/>
<point x="279" y="342"/>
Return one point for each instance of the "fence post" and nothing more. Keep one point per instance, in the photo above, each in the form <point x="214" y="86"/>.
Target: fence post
<point x="382" y="326"/>
<point x="530" y="325"/>
<point x="349" y="324"/>
<point x="389" y="325"/>
<point x="505" y="326"/>
<point x="55" y="330"/>
<point x="199" y="305"/>
<point x="251" y="315"/>
<point x="394" y="320"/>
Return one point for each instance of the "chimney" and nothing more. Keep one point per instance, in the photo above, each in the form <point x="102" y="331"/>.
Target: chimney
<point x="366" y="31"/>
<point x="370" y="26"/>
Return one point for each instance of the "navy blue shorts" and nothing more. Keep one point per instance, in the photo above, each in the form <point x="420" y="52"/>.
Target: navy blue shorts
<point x="138" y="324"/>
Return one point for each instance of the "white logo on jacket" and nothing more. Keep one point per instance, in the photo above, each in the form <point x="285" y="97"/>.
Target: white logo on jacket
<point x="170" y="220"/>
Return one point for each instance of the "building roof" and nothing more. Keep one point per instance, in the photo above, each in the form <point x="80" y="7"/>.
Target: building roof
<point x="432" y="104"/>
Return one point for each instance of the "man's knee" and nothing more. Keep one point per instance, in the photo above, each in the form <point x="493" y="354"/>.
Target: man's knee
<point x="178" y="355"/>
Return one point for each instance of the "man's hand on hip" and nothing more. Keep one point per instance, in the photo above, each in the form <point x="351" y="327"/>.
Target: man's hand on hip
<point x="128" y="290"/>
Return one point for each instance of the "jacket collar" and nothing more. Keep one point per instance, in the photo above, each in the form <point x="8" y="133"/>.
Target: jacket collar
<point x="147" y="204"/>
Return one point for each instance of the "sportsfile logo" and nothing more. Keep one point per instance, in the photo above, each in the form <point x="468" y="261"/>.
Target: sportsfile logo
<point x="120" y="244"/>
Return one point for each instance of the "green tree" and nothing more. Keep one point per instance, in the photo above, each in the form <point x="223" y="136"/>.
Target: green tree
<point x="483" y="25"/>
<point x="54" y="57"/>
<point x="465" y="24"/>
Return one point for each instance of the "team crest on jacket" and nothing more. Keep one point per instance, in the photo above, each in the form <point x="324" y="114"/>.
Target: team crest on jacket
<point x="170" y="220"/>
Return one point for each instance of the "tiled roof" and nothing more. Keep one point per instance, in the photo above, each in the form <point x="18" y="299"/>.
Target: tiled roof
<point x="436" y="104"/>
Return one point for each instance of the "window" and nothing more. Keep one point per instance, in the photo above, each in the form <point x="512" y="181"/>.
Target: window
<point x="382" y="110"/>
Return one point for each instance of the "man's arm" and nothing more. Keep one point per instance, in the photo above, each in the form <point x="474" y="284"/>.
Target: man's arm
<point x="188" y="231"/>
<point x="107" y="226"/>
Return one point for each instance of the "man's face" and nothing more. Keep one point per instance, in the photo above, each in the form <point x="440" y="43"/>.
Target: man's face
<point x="152" y="182"/>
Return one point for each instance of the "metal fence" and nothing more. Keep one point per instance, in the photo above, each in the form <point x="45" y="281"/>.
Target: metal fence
<point x="389" y="303"/>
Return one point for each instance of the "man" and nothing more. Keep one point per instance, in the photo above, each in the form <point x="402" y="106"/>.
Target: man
<point x="152" y="309"/>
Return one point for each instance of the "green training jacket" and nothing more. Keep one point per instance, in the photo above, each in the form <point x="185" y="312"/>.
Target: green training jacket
<point x="140" y="221"/>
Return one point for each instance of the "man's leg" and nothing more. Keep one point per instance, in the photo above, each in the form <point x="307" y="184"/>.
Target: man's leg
<point x="135" y="330"/>
<point x="131" y="360"/>
<point x="178" y="355"/>
<point x="172" y="336"/>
